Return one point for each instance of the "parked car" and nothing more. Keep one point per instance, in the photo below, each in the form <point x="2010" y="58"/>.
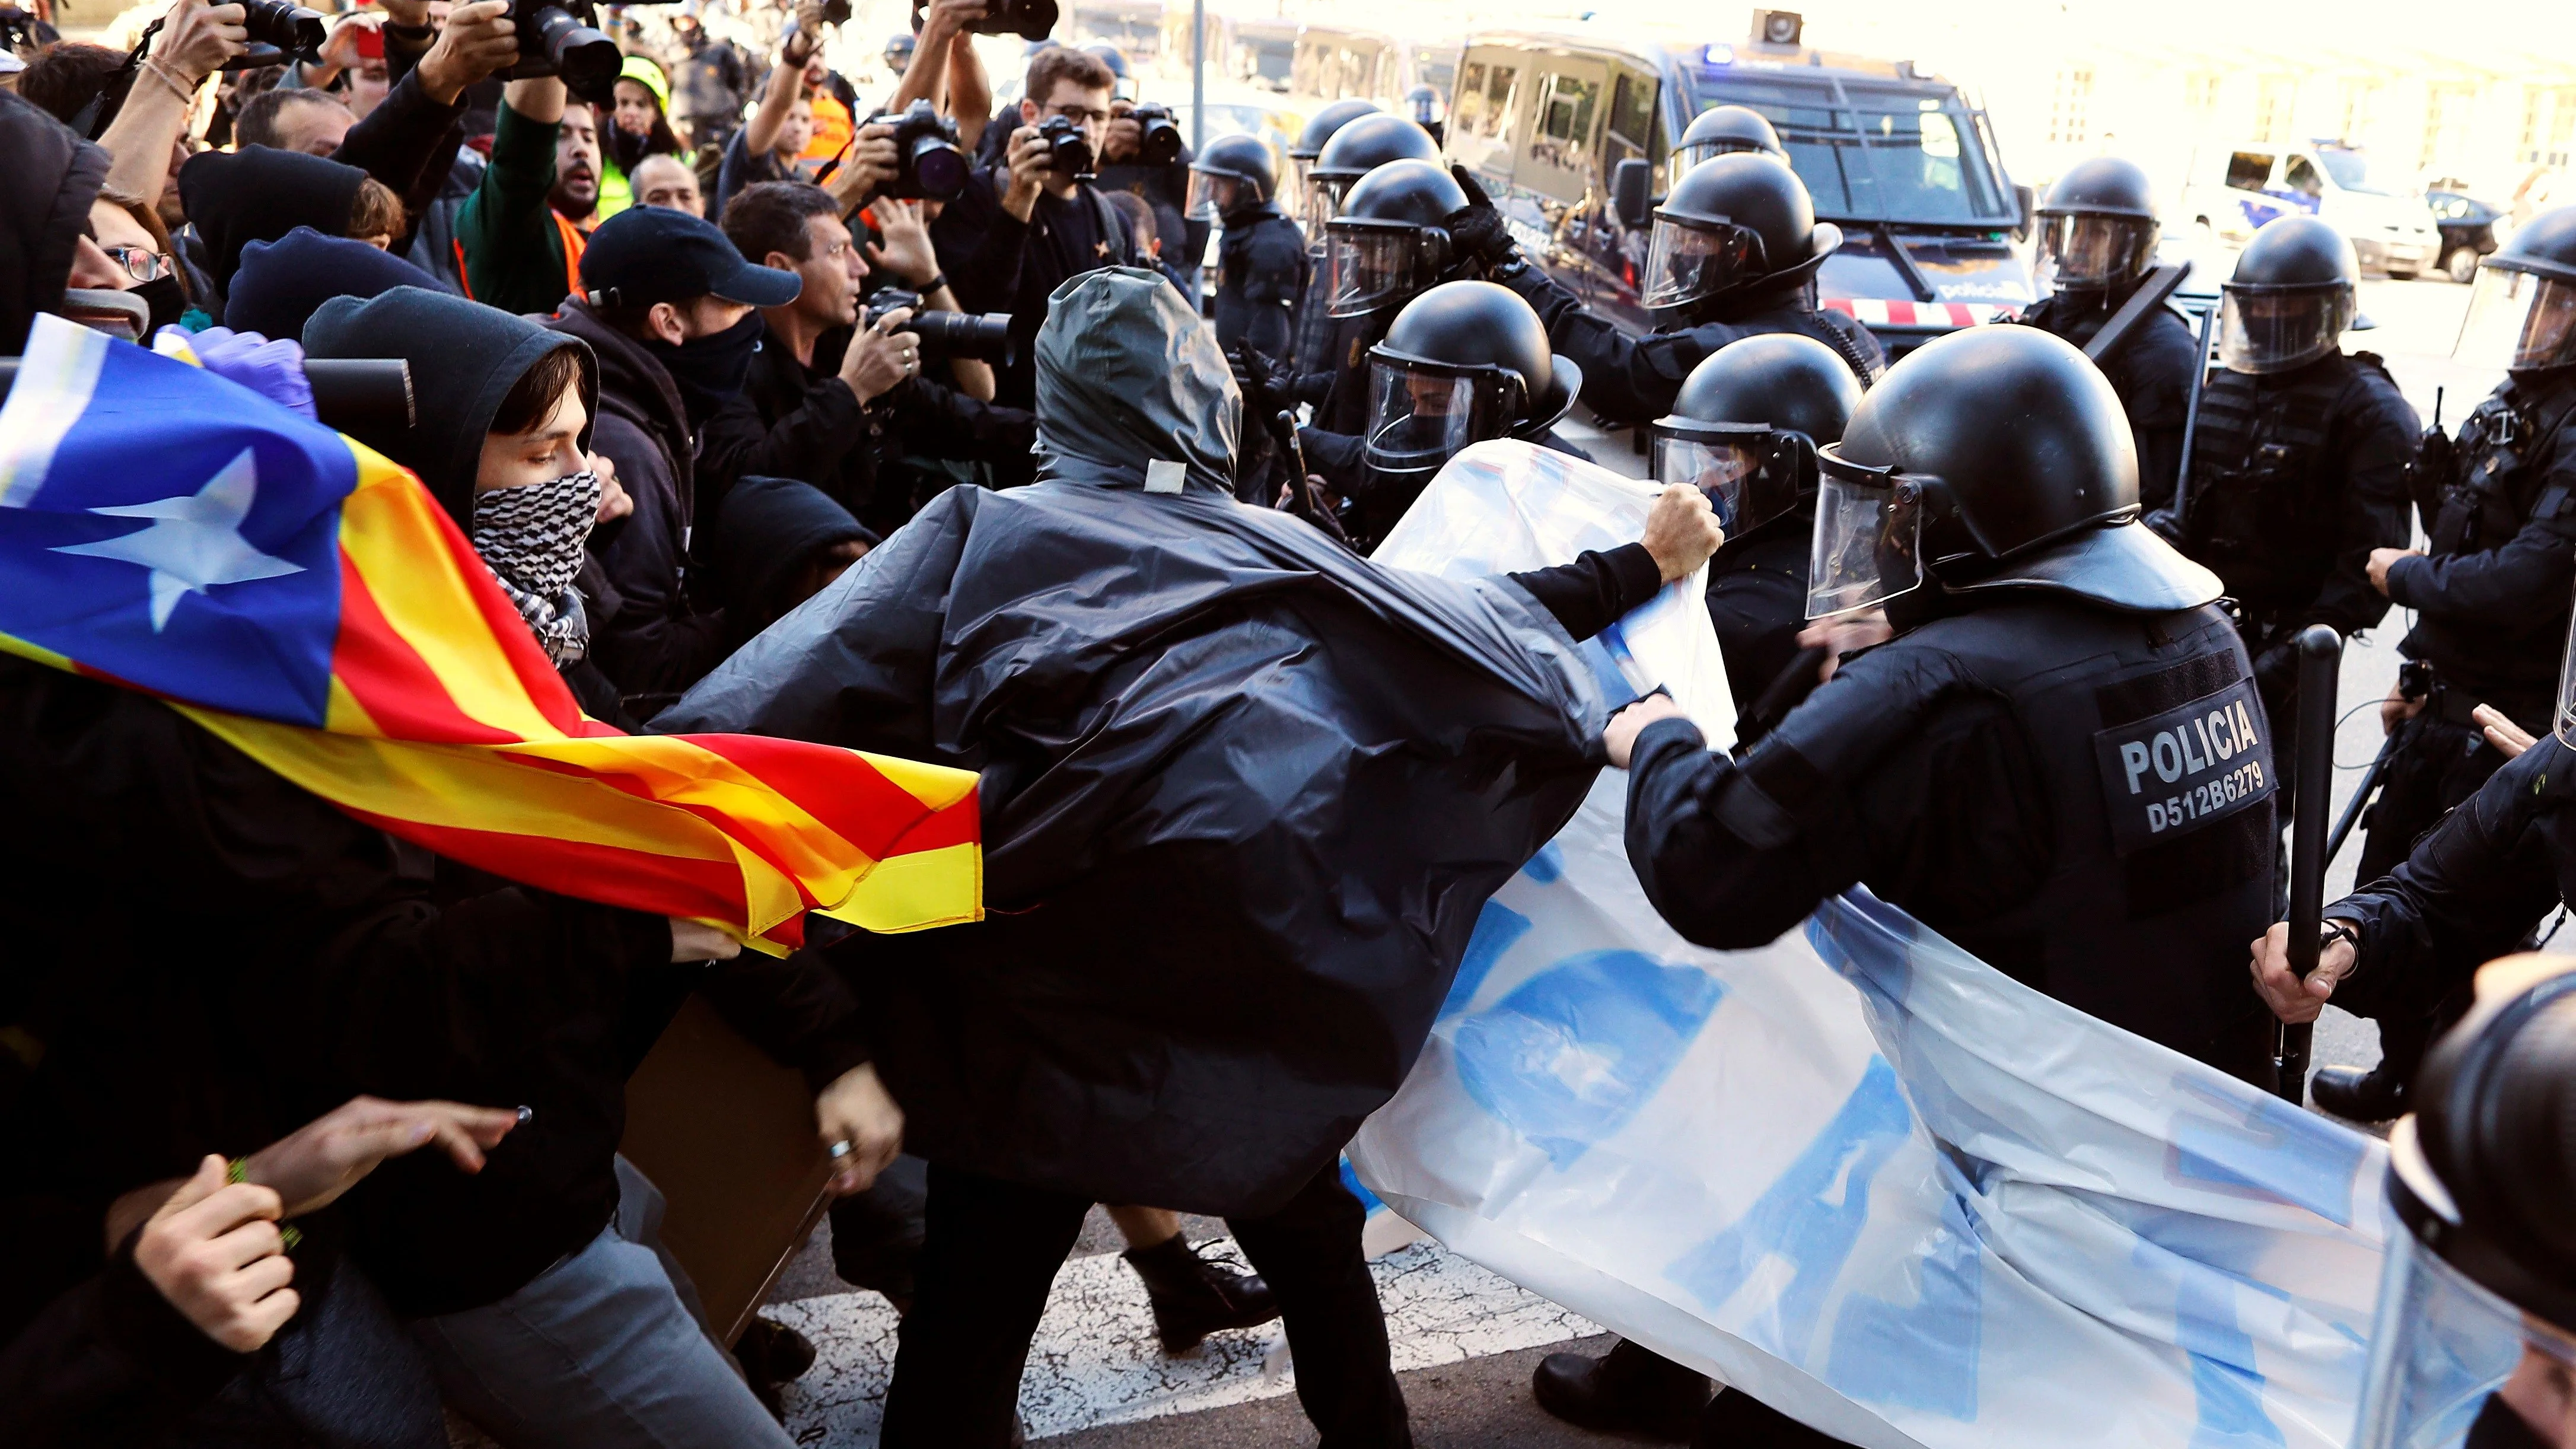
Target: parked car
<point x="2468" y="231"/>
<point x="2390" y="227"/>
<point x="1900" y="160"/>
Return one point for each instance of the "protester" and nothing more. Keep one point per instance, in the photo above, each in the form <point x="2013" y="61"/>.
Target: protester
<point x="292" y="119"/>
<point x="257" y="195"/>
<point x="516" y="251"/>
<point x="281" y="283"/>
<point x="771" y="143"/>
<point x="666" y="181"/>
<point x="779" y="543"/>
<point x="634" y="130"/>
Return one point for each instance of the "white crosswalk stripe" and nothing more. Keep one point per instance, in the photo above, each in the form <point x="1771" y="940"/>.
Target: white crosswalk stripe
<point x="1095" y="1360"/>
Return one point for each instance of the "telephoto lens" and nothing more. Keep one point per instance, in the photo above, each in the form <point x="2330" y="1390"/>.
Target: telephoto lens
<point x="1068" y="150"/>
<point x="985" y="338"/>
<point x="291" y="28"/>
<point x="929" y="163"/>
<point x="562" y="40"/>
<point x="1160" y="145"/>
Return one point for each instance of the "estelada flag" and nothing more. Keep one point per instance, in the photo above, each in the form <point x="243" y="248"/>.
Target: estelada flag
<point x="307" y="601"/>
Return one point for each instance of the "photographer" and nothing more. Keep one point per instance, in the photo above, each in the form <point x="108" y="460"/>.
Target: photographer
<point x="518" y="253"/>
<point x="1156" y="169"/>
<point x="836" y="407"/>
<point x="1019" y="230"/>
<point x="776" y="142"/>
<point x="944" y="69"/>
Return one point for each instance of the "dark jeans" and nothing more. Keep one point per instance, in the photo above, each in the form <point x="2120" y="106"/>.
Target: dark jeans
<point x="990" y="1254"/>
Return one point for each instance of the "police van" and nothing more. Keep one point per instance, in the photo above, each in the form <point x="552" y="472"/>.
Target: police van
<point x="2389" y="223"/>
<point x="1900" y="160"/>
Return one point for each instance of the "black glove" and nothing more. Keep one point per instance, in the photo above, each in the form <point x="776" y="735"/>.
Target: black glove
<point x="1261" y="377"/>
<point x="1476" y="230"/>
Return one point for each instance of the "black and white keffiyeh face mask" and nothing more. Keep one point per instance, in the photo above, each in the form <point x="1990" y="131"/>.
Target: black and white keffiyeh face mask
<point x="531" y="538"/>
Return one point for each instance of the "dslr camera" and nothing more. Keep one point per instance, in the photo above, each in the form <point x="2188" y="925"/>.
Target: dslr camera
<point x="945" y="334"/>
<point x="292" y="29"/>
<point x="928" y="161"/>
<point x="1160" y="145"/>
<point x="1027" y="19"/>
<point x="562" y="37"/>
<point x="1068" y="149"/>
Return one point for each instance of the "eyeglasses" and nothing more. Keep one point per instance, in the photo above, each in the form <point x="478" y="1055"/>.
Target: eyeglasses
<point x="141" y="263"/>
<point x="1079" y="113"/>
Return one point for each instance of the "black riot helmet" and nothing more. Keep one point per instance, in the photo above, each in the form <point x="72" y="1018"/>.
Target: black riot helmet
<point x="898" y="52"/>
<point x="1362" y="146"/>
<point x="1234" y="175"/>
<point x="1722" y="131"/>
<point x="1734" y="223"/>
<point x="1391" y="239"/>
<point x="1422" y="103"/>
<point x="1746" y="425"/>
<point x="1114" y="58"/>
<point x="1462" y="363"/>
<point x="2522" y="314"/>
<point x="1310" y="141"/>
<point x="2481" y="1276"/>
<point x="2290" y="299"/>
<point x="1992" y="458"/>
<point x="2097" y="228"/>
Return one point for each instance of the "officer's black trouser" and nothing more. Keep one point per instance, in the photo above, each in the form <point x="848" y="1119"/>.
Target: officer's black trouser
<point x="991" y="1253"/>
<point x="2440" y="761"/>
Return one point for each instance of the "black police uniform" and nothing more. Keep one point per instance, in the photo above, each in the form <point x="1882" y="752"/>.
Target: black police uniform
<point x="2151" y="369"/>
<point x="1633" y="380"/>
<point x="1261" y="272"/>
<point x="1757" y="599"/>
<point x="2490" y="601"/>
<point x="2295" y="478"/>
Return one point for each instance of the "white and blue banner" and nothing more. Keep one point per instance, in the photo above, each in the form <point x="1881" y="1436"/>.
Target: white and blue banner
<point x="1856" y="1173"/>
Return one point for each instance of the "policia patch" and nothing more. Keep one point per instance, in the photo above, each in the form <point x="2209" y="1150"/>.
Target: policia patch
<point x="2170" y="774"/>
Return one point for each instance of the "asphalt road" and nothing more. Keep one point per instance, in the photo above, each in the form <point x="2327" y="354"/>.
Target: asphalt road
<point x="1483" y="1399"/>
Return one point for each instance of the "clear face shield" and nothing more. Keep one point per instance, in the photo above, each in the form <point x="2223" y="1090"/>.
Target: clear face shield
<point x="1869" y="533"/>
<point x="1750" y="473"/>
<point x="1689" y="260"/>
<point x="2277" y="329"/>
<point x="1422" y="414"/>
<point x="1322" y="202"/>
<point x="1372" y="267"/>
<point x="1213" y="194"/>
<point x="2088" y="252"/>
<point x="2518" y="320"/>
<point x="2446" y="1352"/>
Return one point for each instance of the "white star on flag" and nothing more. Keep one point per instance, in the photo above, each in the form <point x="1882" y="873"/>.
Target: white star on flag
<point x="194" y="542"/>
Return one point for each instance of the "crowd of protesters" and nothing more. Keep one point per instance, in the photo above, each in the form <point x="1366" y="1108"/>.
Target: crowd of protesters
<point x="653" y="386"/>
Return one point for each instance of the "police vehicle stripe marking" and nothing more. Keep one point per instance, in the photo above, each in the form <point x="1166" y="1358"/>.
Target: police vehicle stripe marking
<point x="1882" y="312"/>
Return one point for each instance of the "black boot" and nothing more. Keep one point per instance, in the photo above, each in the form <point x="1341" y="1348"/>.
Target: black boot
<point x="2377" y="1095"/>
<point x="772" y="1354"/>
<point x="1194" y="1297"/>
<point x="1630" y="1389"/>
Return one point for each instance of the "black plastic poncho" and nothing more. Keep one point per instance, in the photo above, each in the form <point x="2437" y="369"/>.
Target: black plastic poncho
<point x="1244" y="793"/>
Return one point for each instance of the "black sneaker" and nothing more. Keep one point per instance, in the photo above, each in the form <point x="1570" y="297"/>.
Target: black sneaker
<point x="1627" y="1390"/>
<point x="1194" y="1296"/>
<point x="771" y="1354"/>
<point x="2376" y="1095"/>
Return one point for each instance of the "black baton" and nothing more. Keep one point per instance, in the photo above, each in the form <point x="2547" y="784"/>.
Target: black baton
<point x="2320" y="664"/>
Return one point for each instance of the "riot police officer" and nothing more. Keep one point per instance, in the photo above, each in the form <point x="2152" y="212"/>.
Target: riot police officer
<point x="1745" y="430"/>
<point x="1387" y="244"/>
<point x="1319" y="129"/>
<point x="1723" y="131"/>
<point x="1261" y="258"/>
<point x="1422" y="103"/>
<point x="2499" y="508"/>
<point x="2097" y="242"/>
<point x="1359" y="147"/>
<point x="1462" y="363"/>
<point x="1310" y="325"/>
<point x="2300" y="465"/>
<point x="1734" y="253"/>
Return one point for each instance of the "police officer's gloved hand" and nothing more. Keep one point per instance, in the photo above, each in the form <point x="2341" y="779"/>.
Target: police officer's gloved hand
<point x="1476" y="230"/>
<point x="1262" y="377"/>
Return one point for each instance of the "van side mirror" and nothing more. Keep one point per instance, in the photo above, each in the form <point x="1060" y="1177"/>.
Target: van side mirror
<point x="2029" y="202"/>
<point x="1629" y="181"/>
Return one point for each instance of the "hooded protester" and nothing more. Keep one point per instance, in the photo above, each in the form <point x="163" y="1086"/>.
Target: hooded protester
<point x="48" y="180"/>
<point x="1099" y="645"/>
<point x="254" y="195"/>
<point x="779" y="543"/>
<point x="280" y="283"/>
<point x="669" y="308"/>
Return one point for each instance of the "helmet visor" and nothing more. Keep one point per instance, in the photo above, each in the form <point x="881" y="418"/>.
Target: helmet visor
<point x="1419" y="416"/>
<point x="2276" y="329"/>
<point x="1213" y="193"/>
<point x="1372" y="267"/>
<point x="2518" y="320"/>
<point x="1689" y="260"/>
<point x="1868" y="540"/>
<point x="1750" y="477"/>
<point x="1688" y="155"/>
<point x="2089" y="252"/>
<point x="2441" y="1348"/>
<point x="1323" y="203"/>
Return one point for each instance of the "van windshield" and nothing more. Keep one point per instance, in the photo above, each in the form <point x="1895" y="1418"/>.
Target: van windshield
<point x="1872" y="153"/>
<point x="2351" y="171"/>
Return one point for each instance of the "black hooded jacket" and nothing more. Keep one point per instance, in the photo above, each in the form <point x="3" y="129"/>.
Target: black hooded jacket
<point x="658" y="642"/>
<point x="771" y="528"/>
<point x="1244" y="793"/>
<point x="260" y="194"/>
<point x="51" y="178"/>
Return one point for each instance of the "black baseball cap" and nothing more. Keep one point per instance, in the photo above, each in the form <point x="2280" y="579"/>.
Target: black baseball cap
<point x="649" y="254"/>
